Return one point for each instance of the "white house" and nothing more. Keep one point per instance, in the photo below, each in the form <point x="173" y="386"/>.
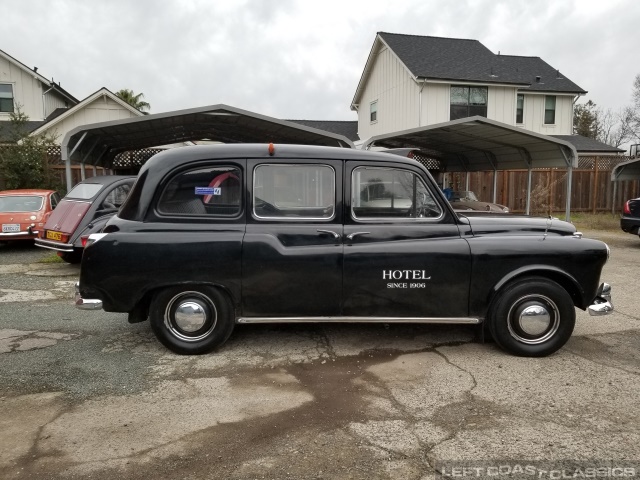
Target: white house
<point x="37" y="96"/>
<point x="411" y="81"/>
<point x="50" y="108"/>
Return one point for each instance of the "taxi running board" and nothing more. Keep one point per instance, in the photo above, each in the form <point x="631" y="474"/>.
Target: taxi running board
<point x="444" y="320"/>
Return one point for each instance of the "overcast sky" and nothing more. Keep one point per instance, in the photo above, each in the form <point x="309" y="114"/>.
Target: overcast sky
<point x="302" y="59"/>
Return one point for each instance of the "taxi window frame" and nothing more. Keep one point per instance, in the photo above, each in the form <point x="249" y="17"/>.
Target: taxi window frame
<point x="161" y="215"/>
<point x="259" y="218"/>
<point x="404" y="220"/>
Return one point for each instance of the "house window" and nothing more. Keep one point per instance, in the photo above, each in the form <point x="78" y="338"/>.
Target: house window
<point x="468" y="101"/>
<point x="373" y="112"/>
<point x="549" y="109"/>
<point x="6" y="98"/>
<point x="520" y="109"/>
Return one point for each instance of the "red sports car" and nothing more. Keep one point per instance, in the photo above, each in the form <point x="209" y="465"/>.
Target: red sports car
<point x="23" y="213"/>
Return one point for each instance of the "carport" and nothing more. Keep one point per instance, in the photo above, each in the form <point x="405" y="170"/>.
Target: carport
<point x="98" y="144"/>
<point x="626" y="171"/>
<point x="477" y="144"/>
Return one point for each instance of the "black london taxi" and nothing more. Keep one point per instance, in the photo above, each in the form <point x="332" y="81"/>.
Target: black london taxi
<point x="213" y="236"/>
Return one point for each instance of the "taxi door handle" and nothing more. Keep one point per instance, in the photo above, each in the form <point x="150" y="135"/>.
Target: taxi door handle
<point x="355" y="234"/>
<point x="335" y="235"/>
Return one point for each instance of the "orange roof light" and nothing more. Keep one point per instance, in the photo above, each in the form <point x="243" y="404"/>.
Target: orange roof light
<point x="272" y="149"/>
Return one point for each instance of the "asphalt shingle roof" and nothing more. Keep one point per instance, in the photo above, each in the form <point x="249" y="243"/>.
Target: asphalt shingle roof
<point x="586" y="144"/>
<point x="5" y="129"/>
<point x="347" y="128"/>
<point x="469" y="60"/>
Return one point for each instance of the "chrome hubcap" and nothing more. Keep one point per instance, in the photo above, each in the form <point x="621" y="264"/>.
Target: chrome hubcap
<point x="533" y="319"/>
<point x="190" y="316"/>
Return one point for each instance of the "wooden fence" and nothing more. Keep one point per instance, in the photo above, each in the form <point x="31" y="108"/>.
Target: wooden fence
<point x="592" y="189"/>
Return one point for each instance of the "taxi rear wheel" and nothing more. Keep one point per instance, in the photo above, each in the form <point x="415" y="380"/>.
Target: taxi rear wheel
<point x="532" y="317"/>
<point x="191" y="320"/>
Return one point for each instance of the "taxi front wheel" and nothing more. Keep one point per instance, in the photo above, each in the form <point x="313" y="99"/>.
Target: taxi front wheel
<point x="191" y="320"/>
<point x="532" y="317"/>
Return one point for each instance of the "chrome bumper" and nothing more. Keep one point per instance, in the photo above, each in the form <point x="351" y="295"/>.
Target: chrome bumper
<point x="602" y="304"/>
<point x="60" y="247"/>
<point x="86" y="303"/>
<point x="29" y="232"/>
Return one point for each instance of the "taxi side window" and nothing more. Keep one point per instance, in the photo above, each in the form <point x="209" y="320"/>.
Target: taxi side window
<point x="213" y="191"/>
<point x="294" y="192"/>
<point x="389" y="193"/>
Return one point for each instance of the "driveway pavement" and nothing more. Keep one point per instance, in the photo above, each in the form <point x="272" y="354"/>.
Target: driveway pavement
<point x="86" y="395"/>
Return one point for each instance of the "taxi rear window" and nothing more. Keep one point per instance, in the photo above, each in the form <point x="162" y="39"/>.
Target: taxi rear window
<point x="211" y="191"/>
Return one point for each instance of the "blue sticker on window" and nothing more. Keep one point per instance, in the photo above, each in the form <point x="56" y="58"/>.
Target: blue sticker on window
<point x="208" y="191"/>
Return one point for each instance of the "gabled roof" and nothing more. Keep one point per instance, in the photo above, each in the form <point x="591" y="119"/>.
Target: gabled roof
<point x="346" y="128"/>
<point x="60" y="116"/>
<point x="463" y="60"/>
<point x="35" y="74"/>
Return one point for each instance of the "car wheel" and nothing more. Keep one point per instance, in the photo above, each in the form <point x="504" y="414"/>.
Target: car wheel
<point x="532" y="317"/>
<point x="71" y="257"/>
<point x="191" y="320"/>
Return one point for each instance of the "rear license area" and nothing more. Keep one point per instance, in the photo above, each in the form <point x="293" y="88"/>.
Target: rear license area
<point x="10" y="227"/>
<point x="52" y="235"/>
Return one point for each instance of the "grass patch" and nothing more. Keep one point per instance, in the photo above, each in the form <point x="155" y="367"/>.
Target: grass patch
<point x="595" y="221"/>
<point x="53" y="258"/>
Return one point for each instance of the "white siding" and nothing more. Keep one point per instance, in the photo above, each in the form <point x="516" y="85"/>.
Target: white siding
<point x="396" y="93"/>
<point x="436" y="103"/>
<point x="436" y="99"/>
<point x="27" y="90"/>
<point x="103" y="109"/>
<point x="534" y="115"/>
<point x="52" y="101"/>
<point x="501" y="104"/>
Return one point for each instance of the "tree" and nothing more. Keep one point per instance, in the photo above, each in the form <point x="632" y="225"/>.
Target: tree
<point x="603" y="125"/>
<point x="132" y="99"/>
<point x="26" y="163"/>
<point x="585" y="120"/>
<point x="631" y="117"/>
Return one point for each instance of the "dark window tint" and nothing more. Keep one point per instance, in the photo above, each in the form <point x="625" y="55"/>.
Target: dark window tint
<point x="520" y="109"/>
<point x="468" y="101"/>
<point x="390" y="193"/>
<point x="373" y="112"/>
<point x="6" y="98"/>
<point x="549" y="109"/>
<point x="294" y="191"/>
<point x="205" y="191"/>
<point x="85" y="191"/>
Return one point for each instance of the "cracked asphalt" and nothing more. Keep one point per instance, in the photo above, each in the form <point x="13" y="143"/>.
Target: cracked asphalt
<point x="86" y="395"/>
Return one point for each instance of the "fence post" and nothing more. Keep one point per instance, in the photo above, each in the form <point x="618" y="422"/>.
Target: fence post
<point x="594" y="191"/>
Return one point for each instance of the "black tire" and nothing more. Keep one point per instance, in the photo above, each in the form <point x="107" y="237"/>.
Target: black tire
<point x="73" y="258"/>
<point x="210" y="325"/>
<point x="532" y="317"/>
